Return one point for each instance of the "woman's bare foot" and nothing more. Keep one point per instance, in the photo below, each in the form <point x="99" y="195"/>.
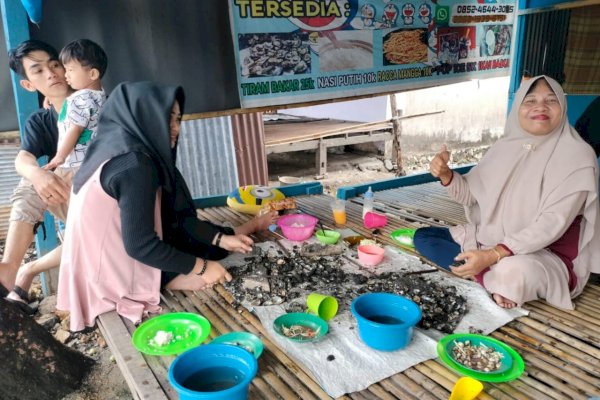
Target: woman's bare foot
<point x="213" y="275"/>
<point x="503" y="301"/>
<point x="261" y="223"/>
<point x="258" y="223"/>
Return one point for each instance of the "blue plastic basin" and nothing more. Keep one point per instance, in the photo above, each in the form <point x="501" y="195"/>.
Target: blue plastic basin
<point x="385" y="320"/>
<point x="215" y="372"/>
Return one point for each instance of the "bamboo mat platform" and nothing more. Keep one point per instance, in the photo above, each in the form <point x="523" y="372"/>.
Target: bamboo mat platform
<point x="561" y="349"/>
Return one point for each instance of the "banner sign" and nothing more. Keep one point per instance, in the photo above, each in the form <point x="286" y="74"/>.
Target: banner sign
<point x="292" y="51"/>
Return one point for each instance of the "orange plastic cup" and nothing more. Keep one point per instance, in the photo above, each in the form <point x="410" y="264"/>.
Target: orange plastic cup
<point x="339" y="216"/>
<point x="339" y="211"/>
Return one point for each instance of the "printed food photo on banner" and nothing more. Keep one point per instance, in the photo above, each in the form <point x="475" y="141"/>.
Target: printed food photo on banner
<point x="345" y="50"/>
<point x="265" y="54"/>
<point x="405" y="46"/>
<point x="495" y="40"/>
<point x="455" y="44"/>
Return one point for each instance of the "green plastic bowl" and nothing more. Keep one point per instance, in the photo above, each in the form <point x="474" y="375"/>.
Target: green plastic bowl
<point x="512" y="363"/>
<point x="404" y="237"/>
<point x="246" y="340"/>
<point x="327" y="236"/>
<point x="308" y="320"/>
<point x="188" y="330"/>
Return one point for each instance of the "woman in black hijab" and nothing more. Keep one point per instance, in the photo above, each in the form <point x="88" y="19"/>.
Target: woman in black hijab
<point x="134" y="226"/>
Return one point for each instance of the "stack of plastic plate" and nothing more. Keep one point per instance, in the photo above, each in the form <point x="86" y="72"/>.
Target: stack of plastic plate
<point x="404" y="237"/>
<point x="246" y="340"/>
<point x="512" y="364"/>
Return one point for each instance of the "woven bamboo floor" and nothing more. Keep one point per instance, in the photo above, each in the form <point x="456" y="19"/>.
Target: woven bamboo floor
<point x="561" y="349"/>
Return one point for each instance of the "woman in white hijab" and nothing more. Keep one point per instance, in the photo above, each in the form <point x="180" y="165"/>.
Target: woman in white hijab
<point x="531" y="203"/>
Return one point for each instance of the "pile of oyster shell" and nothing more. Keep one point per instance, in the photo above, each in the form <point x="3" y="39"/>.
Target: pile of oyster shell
<point x="274" y="277"/>
<point x="477" y="357"/>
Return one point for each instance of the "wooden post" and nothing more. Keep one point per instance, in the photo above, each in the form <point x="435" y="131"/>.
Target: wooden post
<point x="396" y="134"/>
<point x="322" y="158"/>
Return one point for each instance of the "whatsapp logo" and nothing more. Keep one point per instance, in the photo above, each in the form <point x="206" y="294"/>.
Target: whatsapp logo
<point x="442" y="15"/>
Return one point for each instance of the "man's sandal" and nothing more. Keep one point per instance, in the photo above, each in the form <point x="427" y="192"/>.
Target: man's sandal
<point x="3" y="291"/>
<point x="23" y="304"/>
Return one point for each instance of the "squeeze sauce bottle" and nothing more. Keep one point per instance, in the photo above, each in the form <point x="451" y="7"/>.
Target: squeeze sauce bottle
<point x="368" y="202"/>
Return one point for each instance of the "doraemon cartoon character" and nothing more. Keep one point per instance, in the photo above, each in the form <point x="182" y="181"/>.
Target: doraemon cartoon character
<point x="367" y="15"/>
<point x="408" y="12"/>
<point x="390" y="15"/>
<point x="425" y="13"/>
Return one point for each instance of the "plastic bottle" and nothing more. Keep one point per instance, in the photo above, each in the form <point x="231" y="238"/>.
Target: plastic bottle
<point x="368" y="202"/>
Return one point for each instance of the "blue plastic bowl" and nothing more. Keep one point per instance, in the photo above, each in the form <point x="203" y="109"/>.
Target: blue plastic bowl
<point x="385" y="320"/>
<point x="215" y="372"/>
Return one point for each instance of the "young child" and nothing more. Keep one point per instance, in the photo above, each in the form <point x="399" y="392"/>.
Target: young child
<point x="85" y="63"/>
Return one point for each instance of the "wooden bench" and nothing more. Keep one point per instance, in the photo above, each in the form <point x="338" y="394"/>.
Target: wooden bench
<point x="320" y="135"/>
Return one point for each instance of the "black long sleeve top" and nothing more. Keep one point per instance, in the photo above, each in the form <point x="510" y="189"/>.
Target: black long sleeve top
<point x="132" y="180"/>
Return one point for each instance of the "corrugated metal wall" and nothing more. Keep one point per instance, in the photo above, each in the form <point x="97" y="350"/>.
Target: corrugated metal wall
<point x="206" y="156"/>
<point x="8" y="181"/>
<point x="249" y="139"/>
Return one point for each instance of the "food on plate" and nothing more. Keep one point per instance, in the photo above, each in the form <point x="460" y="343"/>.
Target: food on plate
<point x="369" y="242"/>
<point x="162" y="338"/>
<point x="265" y="54"/>
<point x="279" y="205"/>
<point x="345" y="58"/>
<point x="477" y="357"/>
<point x="405" y="47"/>
<point x="490" y="40"/>
<point x="300" y="331"/>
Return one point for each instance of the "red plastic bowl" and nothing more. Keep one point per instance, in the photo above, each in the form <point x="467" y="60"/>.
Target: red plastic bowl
<point x="297" y="227"/>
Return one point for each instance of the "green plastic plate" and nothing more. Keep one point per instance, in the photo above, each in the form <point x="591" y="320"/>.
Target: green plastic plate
<point x="308" y="320"/>
<point x="513" y="363"/>
<point x="188" y="330"/>
<point x="245" y="340"/>
<point x="404" y="237"/>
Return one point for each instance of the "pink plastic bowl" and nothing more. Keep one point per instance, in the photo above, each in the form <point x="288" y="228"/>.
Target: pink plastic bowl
<point x="297" y="227"/>
<point x="369" y="254"/>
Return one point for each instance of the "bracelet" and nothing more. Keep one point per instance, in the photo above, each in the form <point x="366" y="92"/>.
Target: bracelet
<point x="204" y="265"/>
<point x="497" y="254"/>
<point x="219" y="237"/>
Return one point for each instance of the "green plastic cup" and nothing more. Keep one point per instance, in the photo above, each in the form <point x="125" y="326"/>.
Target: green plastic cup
<point x="324" y="306"/>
